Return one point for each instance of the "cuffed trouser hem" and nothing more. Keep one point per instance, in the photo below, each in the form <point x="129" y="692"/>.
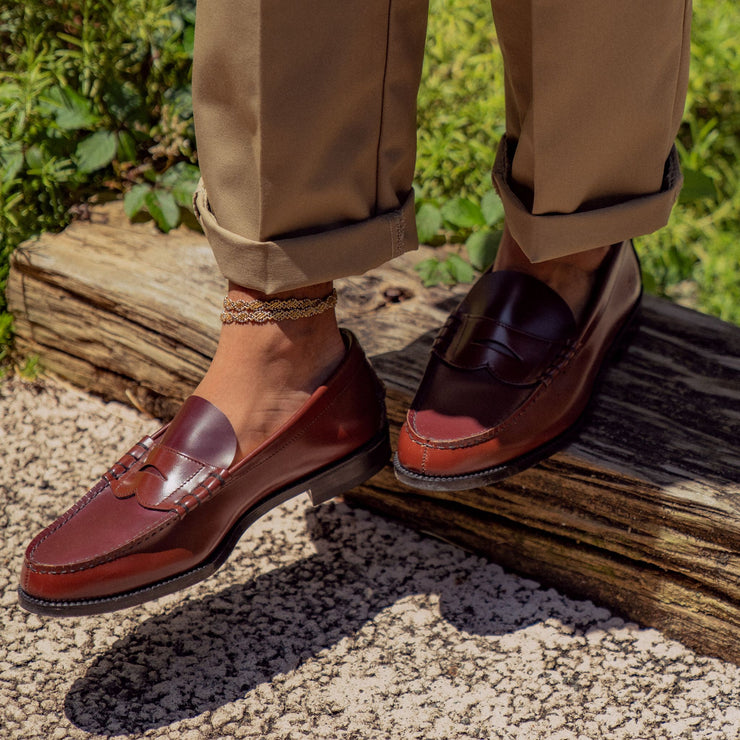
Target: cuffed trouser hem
<point x="297" y="261"/>
<point x="551" y="235"/>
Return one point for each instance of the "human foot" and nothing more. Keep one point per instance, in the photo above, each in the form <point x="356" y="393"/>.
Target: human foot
<point x="261" y="374"/>
<point x="572" y="277"/>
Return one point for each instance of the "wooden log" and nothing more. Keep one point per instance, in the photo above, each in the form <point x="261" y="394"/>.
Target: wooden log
<point x="641" y="513"/>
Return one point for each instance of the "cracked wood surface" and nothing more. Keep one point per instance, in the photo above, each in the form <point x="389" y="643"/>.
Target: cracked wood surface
<point x="641" y="512"/>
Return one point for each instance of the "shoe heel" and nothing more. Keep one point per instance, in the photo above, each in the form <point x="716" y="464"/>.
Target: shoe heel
<point x="356" y="469"/>
<point x="627" y="335"/>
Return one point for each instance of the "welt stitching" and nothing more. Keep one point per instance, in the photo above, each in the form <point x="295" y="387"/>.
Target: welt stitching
<point x="127" y="547"/>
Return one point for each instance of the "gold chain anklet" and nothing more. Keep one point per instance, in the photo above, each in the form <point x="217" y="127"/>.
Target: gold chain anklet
<point x="275" y="309"/>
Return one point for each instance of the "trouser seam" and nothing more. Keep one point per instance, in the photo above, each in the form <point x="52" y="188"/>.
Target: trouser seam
<point x="398" y="232"/>
<point x="382" y="111"/>
<point x="685" y="50"/>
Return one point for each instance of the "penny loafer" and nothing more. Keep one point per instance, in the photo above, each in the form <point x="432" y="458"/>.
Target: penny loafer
<point x="511" y="375"/>
<point x="171" y="510"/>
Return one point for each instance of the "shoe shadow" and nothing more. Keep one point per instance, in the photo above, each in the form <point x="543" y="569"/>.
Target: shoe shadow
<point x="209" y="652"/>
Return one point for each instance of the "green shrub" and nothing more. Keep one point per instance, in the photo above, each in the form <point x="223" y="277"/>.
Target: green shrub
<point x="94" y="96"/>
<point x="696" y="259"/>
<point x="461" y="102"/>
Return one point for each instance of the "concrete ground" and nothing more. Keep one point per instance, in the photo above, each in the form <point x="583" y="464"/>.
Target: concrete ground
<point x="325" y="623"/>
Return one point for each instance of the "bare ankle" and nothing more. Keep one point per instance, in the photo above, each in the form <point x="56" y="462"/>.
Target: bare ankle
<point x="510" y="255"/>
<point x="310" y="340"/>
<point x="571" y="276"/>
<point x="263" y="372"/>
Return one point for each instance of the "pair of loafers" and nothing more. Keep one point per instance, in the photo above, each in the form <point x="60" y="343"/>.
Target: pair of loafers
<point x="509" y="377"/>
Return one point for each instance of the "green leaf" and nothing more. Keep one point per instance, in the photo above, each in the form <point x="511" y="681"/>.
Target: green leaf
<point x="126" y="147"/>
<point x="460" y="270"/>
<point x="462" y="213"/>
<point x="170" y="176"/>
<point x="444" y="274"/>
<point x="34" y="158"/>
<point x="71" y="110"/>
<point x="125" y="102"/>
<point x="181" y="180"/>
<point x="696" y="186"/>
<point x="10" y="92"/>
<point x="482" y="247"/>
<point x="183" y="192"/>
<point x="165" y="211"/>
<point x="31" y="368"/>
<point x="6" y="328"/>
<point x="135" y="200"/>
<point x="96" y="151"/>
<point x="428" y="270"/>
<point x="188" y="41"/>
<point x="492" y="207"/>
<point x="428" y="222"/>
<point x="11" y="163"/>
<point x="454" y="269"/>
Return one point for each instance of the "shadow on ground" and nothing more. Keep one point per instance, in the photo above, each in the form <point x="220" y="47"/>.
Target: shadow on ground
<point x="209" y="652"/>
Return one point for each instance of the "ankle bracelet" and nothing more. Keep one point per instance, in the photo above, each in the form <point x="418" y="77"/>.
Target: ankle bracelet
<point x="275" y="309"/>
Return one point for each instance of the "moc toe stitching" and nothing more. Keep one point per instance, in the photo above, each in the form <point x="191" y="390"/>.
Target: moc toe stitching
<point x="473" y="440"/>
<point x="126" y="548"/>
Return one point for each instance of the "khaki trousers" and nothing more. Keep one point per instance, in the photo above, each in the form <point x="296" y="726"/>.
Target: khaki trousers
<point x="305" y="119"/>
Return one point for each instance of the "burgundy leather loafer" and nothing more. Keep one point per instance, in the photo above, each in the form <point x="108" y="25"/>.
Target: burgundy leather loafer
<point x="170" y="511"/>
<point x="510" y="376"/>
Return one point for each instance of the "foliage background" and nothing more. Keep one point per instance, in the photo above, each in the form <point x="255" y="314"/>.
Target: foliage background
<point x="95" y="98"/>
<point x="696" y="259"/>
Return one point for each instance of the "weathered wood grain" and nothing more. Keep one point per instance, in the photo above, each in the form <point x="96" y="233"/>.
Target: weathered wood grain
<point x="641" y="513"/>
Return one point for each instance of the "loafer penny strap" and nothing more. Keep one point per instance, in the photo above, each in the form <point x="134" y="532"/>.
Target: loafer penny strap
<point x="181" y="467"/>
<point x="166" y="476"/>
<point x="510" y="355"/>
<point x="511" y="324"/>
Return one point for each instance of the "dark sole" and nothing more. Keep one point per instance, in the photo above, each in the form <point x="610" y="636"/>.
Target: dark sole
<point x="321" y="486"/>
<point x="498" y="473"/>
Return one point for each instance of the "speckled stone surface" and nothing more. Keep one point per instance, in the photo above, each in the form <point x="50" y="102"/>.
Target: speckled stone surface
<point x="325" y="623"/>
